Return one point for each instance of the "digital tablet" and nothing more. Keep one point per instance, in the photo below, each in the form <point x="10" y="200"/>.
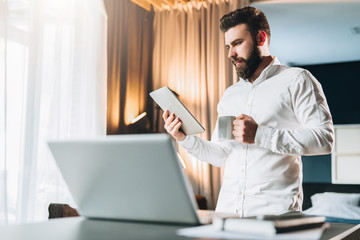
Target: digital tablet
<point x="167" y="100"/>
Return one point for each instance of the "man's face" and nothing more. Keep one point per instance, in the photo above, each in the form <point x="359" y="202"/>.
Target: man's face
<point x="242" y="50"/>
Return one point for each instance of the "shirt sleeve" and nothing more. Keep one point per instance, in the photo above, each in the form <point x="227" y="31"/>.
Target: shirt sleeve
<point x="211" y="152"/>
<point x="316" y="134"/>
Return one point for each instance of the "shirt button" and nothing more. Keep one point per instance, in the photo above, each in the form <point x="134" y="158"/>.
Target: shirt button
<point x="242" y="170"/>
<point x="240" y="193"/>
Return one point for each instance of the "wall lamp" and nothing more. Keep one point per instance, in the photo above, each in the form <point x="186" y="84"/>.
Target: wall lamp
<point x="140" y="124"/>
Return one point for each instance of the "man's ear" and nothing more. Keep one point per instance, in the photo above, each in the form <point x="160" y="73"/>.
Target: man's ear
<point x="261" y="38"/>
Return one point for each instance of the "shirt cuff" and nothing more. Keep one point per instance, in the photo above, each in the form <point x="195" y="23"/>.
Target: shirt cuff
<point x="187" y="142"/>
<point x="263" y="137"/>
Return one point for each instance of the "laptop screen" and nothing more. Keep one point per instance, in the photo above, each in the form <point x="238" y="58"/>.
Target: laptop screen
<point x="127" y="177"/>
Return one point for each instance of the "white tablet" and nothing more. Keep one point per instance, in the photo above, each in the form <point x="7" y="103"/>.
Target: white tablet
<point x="167" y="100"/>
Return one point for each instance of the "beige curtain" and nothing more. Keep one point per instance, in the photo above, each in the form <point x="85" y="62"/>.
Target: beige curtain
<point x="189" y="56"/>
<point x="129" y="71"/>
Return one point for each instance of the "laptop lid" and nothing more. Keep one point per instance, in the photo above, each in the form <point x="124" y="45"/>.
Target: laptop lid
<point x="127" y="177"/>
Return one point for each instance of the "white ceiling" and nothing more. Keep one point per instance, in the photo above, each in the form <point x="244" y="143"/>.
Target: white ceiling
<point x="313" y="32"/>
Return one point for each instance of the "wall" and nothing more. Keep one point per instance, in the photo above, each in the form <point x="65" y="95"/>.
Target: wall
<point x="341" y="84"/>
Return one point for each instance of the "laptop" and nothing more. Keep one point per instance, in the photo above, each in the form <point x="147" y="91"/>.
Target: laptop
<point x="127" y="177"/>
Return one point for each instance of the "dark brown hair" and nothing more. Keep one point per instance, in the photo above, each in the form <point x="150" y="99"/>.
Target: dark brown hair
<point x="254" y="19"/>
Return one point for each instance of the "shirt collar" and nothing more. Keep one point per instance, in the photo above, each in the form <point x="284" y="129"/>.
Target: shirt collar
<point x="272" y="68"/>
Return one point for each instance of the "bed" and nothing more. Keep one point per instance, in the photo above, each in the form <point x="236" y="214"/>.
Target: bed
<point x="338" y="202"/>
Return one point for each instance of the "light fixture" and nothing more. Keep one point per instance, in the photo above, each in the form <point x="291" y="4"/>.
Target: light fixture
<point x="155" y="3"/>
<point x="143" y="3"/>
<point x="170" y="2"/>
<point x="146" y="4"/>
<point x="138" y="118"/>
<point x="140" y="124"/>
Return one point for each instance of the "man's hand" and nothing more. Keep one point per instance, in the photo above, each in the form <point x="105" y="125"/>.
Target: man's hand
<point x="172" y="126"/>
<point x="245" y="129"/>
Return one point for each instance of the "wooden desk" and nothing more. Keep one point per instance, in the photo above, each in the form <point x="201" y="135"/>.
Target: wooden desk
<point x="79" y="228"/>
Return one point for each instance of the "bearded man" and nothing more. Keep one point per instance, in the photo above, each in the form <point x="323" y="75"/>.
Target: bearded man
<point x="281" y="113"/>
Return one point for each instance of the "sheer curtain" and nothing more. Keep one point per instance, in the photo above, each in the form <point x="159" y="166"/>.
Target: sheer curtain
<point x="53" y="73"/>
<point x="190" y="57"/>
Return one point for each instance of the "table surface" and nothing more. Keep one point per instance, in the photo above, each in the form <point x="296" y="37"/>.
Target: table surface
<point x="80" y="228"/>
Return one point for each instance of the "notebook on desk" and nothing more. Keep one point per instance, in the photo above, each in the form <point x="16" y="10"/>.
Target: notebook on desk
<point x="127" y="177"/>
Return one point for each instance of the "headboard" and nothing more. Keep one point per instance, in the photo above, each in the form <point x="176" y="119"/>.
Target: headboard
<point x="312" y="188"/>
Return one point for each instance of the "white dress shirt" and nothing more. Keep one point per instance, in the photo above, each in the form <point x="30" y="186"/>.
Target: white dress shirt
<point x="293" y="118"/>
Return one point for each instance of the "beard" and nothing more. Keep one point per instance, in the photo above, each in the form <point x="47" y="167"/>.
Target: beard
<point x="248" y="67"/>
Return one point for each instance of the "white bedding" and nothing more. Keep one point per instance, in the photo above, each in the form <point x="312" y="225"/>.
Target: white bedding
<point x="336" y="205"/>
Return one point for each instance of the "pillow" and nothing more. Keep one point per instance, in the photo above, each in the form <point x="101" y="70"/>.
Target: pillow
<point x="319" y="199"/>
<point x="342" y="211"/>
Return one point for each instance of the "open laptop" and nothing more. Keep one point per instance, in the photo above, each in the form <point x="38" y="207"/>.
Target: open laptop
<point x="127" y="177"/>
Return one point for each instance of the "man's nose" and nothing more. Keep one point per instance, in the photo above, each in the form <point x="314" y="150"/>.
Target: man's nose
<point x="232" y="53"/>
